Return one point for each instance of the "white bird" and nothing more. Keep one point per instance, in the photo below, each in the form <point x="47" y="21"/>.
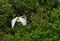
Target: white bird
<point x="21" y="19"/>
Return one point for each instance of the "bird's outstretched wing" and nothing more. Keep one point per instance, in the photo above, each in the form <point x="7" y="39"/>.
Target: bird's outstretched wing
<point x="13" y="22"/>
<point x="24" y="22"/>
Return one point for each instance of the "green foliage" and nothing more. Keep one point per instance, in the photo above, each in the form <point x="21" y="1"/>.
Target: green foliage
<point x="43" y="18"/>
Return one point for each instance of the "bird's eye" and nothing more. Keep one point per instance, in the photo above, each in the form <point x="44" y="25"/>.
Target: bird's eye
<point x="22" y="17"/>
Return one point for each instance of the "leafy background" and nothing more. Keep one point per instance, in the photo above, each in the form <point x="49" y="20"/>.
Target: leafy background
<point x="43" y="18"/>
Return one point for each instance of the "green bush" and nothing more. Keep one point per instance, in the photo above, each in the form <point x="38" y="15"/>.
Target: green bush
<point x="42" y="16"/>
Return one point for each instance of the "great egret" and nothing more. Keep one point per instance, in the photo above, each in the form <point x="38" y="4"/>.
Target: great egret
<point x="21" y="19"/>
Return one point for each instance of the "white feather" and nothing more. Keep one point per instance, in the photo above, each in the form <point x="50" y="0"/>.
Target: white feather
<point x="21" y="19"/>
<point x="13" y="21"/>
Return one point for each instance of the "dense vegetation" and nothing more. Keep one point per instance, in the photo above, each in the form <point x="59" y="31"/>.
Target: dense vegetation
<point x="42" y="16"/>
